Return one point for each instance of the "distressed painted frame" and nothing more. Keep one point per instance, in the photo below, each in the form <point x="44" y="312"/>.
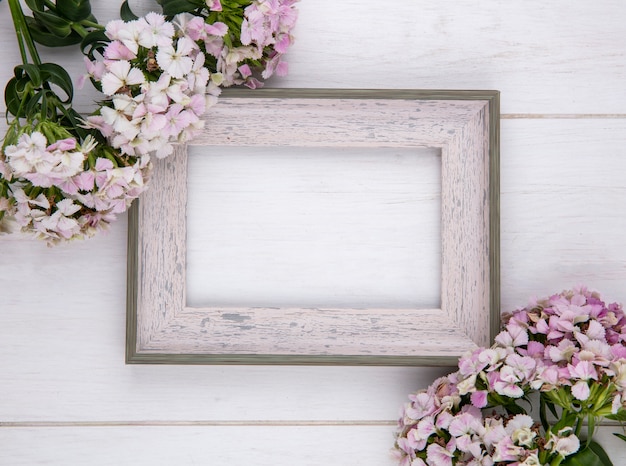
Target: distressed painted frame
<point x="464" y="125"/>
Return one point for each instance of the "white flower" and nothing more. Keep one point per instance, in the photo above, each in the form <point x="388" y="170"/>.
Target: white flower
<point x="467" y="385"/>
<point x="129" y="35"/>
<point x="567" y="445"/>
<point x="29" y="155"/>
<point x="176" y="62"/>
<point x="519" y="428"/>
<point x="120" y="74"/>
<point x="198" y="77"/>
<point x="531" y="460"/>
<point x="154" y="31"/>
<point x="60" y="222"/>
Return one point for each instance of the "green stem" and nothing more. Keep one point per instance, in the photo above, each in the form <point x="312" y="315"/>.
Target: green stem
<point x="91" y="24"/>
<point x="17" y="26"/>
<point x="579" y="425"/>
<point x="50" y="5"/>
<point x="82" y="32"/>
<point x="23" y="34"/>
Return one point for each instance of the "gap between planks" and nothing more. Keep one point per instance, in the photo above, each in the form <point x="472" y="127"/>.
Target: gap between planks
<point x="277" y="423"/>
<point x="297" y="423"/>
<point x="563" y="116"/>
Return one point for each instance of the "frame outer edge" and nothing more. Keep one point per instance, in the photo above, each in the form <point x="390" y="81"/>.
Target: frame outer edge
<point x="493" y="99"/>
<point x="494" y="213"/>
<point x="132" y="269"/>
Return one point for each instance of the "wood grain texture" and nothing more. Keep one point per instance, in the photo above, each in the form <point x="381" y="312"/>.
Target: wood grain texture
<point x="545" y="58"/>
<point x="563" y="57"/>
<point x="563" y="208"/>
<point x="62" y="359"/>
<point x="316" y="227"/>
<point x="560" y="66"/>
<point x="461" y="129"/>
<point x="233" y="446"/>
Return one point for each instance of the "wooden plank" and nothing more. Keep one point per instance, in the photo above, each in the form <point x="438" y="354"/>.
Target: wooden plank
<point x="62" y="316"/>
<point x="563" y="208"/>
<point x="546" y="57"/>
<point x="215" y="445"/>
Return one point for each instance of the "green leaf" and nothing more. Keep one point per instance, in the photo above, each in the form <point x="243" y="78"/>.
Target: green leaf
<point x="620" y="416"/>
<point x="513" y="408"/>
<point x="74" y="10"/>
<point x="33" y="105"/>
<point x="58" y="26"/>
<point x="588" y="457"/>
<point x="126" y="13"/>
<point x="32" y="71"/>
<point x="44" y="37"/>
<point x="622" y="436"/>
<point x="35" y="5"/>
<point x="173" y="7"/>
<point x="95" y="41"/>
<point x="599" y="451"/>
<point x="57" y="75"/>
<point x="12" y="98"/>
<point x="591" y="427"/>
<point x="543" y="416"/>
<point x="567" y="419"/>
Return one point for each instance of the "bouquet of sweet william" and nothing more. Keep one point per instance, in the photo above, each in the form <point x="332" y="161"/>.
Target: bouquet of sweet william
<point x="568" y="349"/>
<point x="64" y="176"/>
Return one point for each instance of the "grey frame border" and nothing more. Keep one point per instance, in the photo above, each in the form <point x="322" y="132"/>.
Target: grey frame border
<point x="490" y="96"/>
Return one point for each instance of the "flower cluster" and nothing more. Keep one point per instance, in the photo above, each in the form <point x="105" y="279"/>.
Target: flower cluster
<point x="65" y="189"/>
<point x="244" y="41"/>
<point x="570" y="349"/>
<point x="154" y="80"/>
<point x="159" y="76"/>
<point x="439" y="427"/>
<point x="64" y="177"/>
<point x="265" y="37"/>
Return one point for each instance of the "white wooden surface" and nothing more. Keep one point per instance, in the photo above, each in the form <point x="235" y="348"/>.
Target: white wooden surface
<point x="388" y="256"/>
<point x="66" y="397"/>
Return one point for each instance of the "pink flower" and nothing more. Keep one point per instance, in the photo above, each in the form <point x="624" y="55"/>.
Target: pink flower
<point x="423" y="405"/>
<point x="216" y="29"/>
<point x="563" y="352"/>
<point x="465" y="423"/>
<point x="534" y="349"/>
<point x="494" y="432"/>
<point x="245" y="71"/>
<point x="512" y="336"/>
<point x="580" y="390"/>
<point x="195" y="28"/>
<point x="584" y="370"/>
<point x="214" y="5"/>
<point x="177" y="119"/>
<point x="479" y="398"/>
<point x="506" y="382"/>
<point x="522" y="365"/>
<point x="618" y="351"/>
<point x="62" y="145"/>
<point x="506" y="450"/>
<point x="84" y="181"/>
<point x="116" y="50"/>
<point x="444" y="418"/>
<point x="440" y="456"/>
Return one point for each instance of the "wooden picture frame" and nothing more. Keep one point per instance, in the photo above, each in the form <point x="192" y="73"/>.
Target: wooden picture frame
<point x="464" y="125"/>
